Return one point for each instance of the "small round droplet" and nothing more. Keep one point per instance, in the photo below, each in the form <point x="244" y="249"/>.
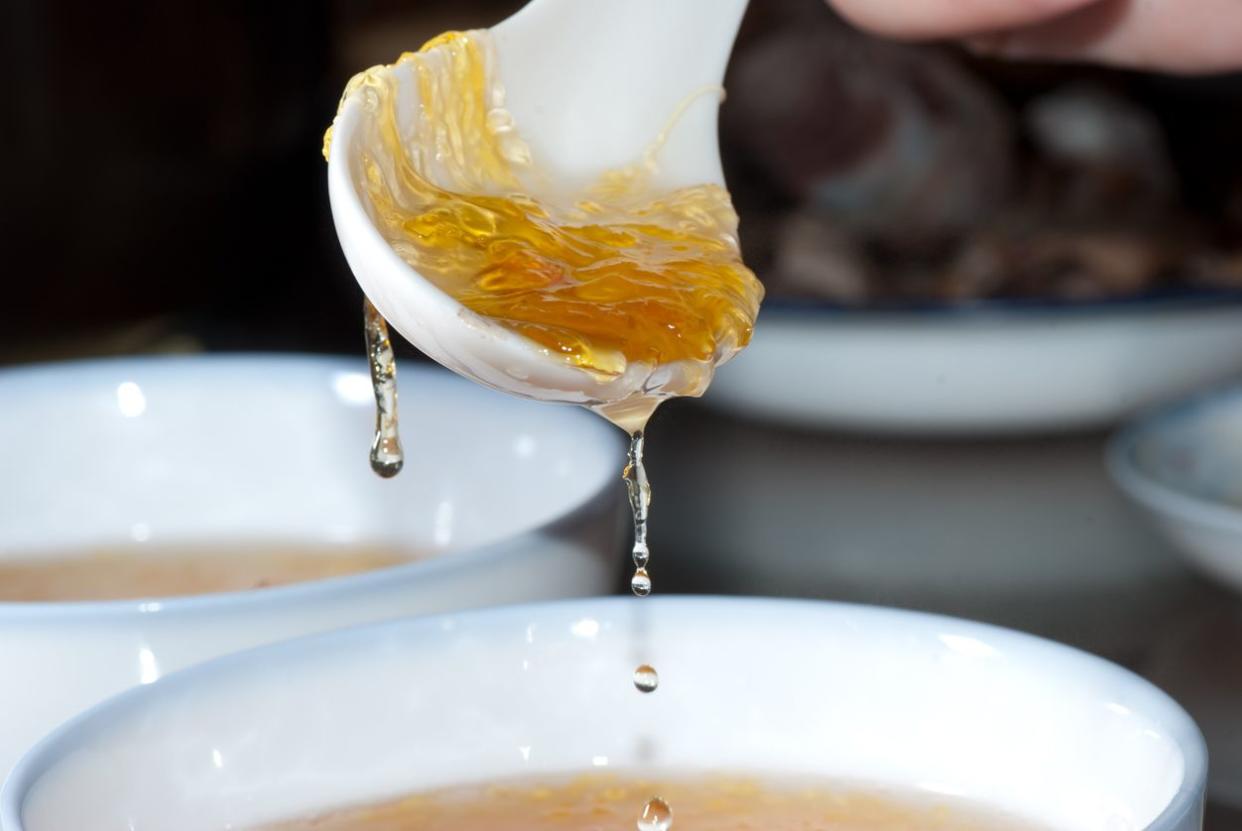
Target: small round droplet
<point x="656" y="816"/>
<point x="386" y="470"/>
<point x="641" y="555"/>
<point x="641" y="582"/>
<point x="646" y="679"/>
<point x="386" y="457"/>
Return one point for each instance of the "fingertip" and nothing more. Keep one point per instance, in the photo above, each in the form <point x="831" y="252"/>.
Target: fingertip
<point x="930" y="19"/>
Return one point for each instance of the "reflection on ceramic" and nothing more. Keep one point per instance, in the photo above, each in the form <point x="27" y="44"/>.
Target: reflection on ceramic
<point x="995" y="371"/>
<point x="1183" y="466"/>
<point x="522" y="498"/>
<point x="870" y="694"/>
<point x="554" y="57"/>
<point x="1023" y="533"/>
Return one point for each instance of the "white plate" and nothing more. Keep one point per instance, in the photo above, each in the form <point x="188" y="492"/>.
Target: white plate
<point x="997" y="369"/>
<point x="1183" y="466"/>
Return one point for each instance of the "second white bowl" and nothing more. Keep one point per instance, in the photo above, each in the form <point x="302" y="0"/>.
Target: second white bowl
<point x="516" y="501"/>
<point x="997" y="369"/>
<point x="1183" y="466"/>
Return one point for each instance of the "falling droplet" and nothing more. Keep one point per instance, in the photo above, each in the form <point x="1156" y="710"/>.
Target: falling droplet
<point x="656" y="816"/>
<point x="646" y="679"/>
<point x="641" y="582"/>
<point x="387" y="458"/>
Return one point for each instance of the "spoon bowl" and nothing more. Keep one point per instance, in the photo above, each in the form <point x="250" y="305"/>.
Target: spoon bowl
<point x="590" y="85"/>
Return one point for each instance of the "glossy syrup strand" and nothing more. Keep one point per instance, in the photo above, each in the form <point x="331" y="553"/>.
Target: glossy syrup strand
<point x="656" y="814"/>
<point x="386" y="456"/>
<point x="640" y="500"/>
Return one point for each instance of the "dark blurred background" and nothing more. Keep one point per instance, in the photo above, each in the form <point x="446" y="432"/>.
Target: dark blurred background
<point x="164" y="186"/>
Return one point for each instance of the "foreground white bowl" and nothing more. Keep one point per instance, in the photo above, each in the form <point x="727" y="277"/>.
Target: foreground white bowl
<point x="1001" y="368"/>
<point x="1183" y="466"/>
<point x="522" y="499"/>
<point x="756" y="686"/>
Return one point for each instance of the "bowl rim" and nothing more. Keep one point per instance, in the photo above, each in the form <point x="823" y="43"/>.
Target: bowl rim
<point x="44" y="755"/>
<point x="477" y="556"/>
<point x="1155" y="494"/>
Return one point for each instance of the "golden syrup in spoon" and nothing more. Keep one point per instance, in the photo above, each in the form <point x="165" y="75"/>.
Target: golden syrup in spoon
<point x="614" y="277"/>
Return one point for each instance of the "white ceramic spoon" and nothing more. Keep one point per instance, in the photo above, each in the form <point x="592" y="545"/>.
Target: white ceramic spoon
<point x="590" y="84"/>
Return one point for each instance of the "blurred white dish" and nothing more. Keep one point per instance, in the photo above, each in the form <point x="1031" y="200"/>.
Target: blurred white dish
<point x="1183" y="466"/>
<point x="998" y="369"/>
<point x="756" y="686"/>
<point x="521" y="497"/>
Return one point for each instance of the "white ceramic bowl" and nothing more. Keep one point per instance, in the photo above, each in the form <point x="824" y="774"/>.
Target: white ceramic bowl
<point x="770" y="687"/>
<point x="522" y="498"/>
<point x="1000" y="368"/>
<point x="1183" y="467"/>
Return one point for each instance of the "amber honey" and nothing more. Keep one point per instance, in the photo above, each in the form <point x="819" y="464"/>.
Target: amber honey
<point x="616" y="273"/>
<point x="610" y="803"/>
<point x="147" y="570"/>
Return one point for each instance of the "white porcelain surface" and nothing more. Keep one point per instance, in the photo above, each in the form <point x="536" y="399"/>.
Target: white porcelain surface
<point x="590" y="83"/>
<point x="940" y="372"/>
<point x="522" y="498"/>
<point x="1183" y="466"/>
<point x="868" y="694"/>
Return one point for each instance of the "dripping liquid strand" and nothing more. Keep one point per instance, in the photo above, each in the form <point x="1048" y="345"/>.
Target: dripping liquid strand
<point x="640" y="499"/>
<point x="386" y="456"/>
<point x="656" y="814"/>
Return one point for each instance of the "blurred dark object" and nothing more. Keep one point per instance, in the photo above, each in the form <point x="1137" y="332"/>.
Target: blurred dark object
<point x="893" y="142"/>
<point x="163" y="164"/>
<point x="1097" y="157"/>
<point x="163" y="161"/>
<point x="154" y="336"/>
<point x="914" y="173"/>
